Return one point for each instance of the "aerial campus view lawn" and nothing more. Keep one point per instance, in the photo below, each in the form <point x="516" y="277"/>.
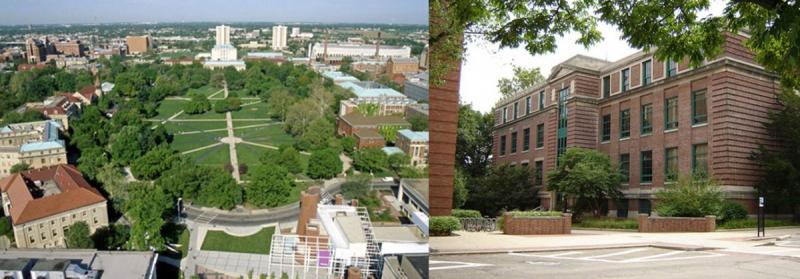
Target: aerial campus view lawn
<point x="257" y="243"/>
<point x="198" y="136"/>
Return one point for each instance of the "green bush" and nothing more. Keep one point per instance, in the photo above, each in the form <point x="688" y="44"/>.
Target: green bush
<point x="690" y="197"/>
<point x="731" y="211"/>
<point x="444" y="225"/>
<point x="465" y="213"/>
<point x="5" y="228"/>
<point x="608" y="223"/>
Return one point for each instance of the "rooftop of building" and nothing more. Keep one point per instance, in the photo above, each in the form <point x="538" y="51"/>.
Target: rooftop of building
<point x="13" y="264"/>
<point x="389" y="150"/>
<point x="418" y="187"/>
<point x="414" y="135"/>
<point x="266" y="54"/>
<point x="357" y="119"/>
<point x="48" y="191"/>
<point x="224" y="62"/>
<point x="113" y="264"/>
<point x="337" y="75"/>
<point x="359" y="46"/>
<point x="350" y="226"/>
<point x="402" y="233"/>
<point x="366" y="89"/>
<point x="50" y="265"/>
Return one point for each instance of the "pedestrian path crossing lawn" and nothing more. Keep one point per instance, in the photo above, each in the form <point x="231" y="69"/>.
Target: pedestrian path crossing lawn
<point x="168" y="108"/>
<point x="207" y="115"/>
<point x="258" y="110"/>
<point x="205" y="91"/>
<point x="188" y="142"/>
<point x="215" y="156"/>
<point x="187" y="126"/>
<point x="269" y="135"/>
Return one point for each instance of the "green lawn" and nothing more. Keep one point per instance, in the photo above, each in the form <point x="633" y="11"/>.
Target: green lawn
<point x="206" y="90"/>
<point x="258" y="243"/>
<point x="167" y="108"/>
<point x="215" y="156"/>
<point x="188" y="126"/>
<point x="269" y="135"/>
<point x="183" y="240"/>
<point x="258" y="110"/>
<point x="207" y="115"/>
<point x="192" y="141"/>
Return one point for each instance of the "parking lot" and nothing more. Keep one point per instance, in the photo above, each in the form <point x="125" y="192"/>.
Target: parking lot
<point x="637" y="262"/>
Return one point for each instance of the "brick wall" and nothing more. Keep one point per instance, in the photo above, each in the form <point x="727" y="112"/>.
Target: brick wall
<point x="537" y="225"/>
<point x="677" y="224"/>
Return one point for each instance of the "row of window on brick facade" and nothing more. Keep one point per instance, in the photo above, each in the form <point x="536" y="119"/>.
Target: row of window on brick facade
<point x="671" y="68"/>
<point x="699" y="163"/>
<point x="699" y="116"/>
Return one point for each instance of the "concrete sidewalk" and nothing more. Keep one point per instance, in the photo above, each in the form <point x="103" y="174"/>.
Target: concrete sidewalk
<point x="496" y="242"/>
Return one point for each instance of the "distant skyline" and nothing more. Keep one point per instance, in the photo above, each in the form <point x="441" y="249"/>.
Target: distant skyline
<point x="20" y="12"/>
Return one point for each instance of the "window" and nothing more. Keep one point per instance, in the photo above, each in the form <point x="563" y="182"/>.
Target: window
<point x="647" y="119"/>
<point x="605" y="133"/>
<point x="526" y="139"/>
<point x="540" y="136"/>
<point x="699" y="109"/>
<point x="563" y="116"/>
<point x="538" y="173"/>
<point x="502" y="145"/>
<point x="513" y="142"/>
<point x="646" y="164"/>
<point x="606" y="86"/>
<point x="524" y="164"/>
<point x="671" y="164"/>
<point x="625" y="166"/>
<point x="541" y="100"/>
<point x="647" y="74"/>
<point x="625" y="123"/>
<point x="700" y="159"/>
<point x="516" y="110"/>
<point x="672" y="68"/>
<point x="528" y="105"/>
<point x="505" y="115"/>
<point x="671" y="113"/>
<point x="626" y="79"/>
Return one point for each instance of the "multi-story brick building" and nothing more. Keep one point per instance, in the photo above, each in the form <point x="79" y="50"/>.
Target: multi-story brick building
<point x="655" y="119"/>
<point x="34" y="143"/>
<point x="138" y="44"/>
<point x="44" y="202"/>
<point x="415" y="145"/>
<point x="35" y="50"/>
<point x="383" y="100"/>
<point x="350" y="124"/>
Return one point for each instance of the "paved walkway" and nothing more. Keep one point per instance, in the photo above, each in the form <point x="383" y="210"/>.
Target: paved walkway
<point x="496" y="242"/>
<point x="232" y="142"/>
<point x="200" y="148"/>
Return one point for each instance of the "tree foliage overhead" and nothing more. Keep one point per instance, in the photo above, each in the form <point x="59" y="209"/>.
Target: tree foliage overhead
<point x="523" y="78"/>
<point x="587" y="176"/>
<point x="147" y="208"/>
<point x="473" y="140"/>
<point x="78" y="236"/>
<point x="370" y="159"/>
<point x="270" y="186"/>
<point x="324" y="163"/>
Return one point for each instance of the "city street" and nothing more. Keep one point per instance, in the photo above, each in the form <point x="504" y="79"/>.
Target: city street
<point x="634" y="262"/>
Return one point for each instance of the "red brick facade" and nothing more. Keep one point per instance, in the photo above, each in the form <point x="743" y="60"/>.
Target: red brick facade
<point x="517" y="225"/>
<point x="676" y="224"/>
<point x="738" y="96"/>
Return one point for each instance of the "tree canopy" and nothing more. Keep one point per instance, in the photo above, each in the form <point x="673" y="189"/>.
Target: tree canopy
<point x="78" y="236"/>
<point x="504" y="187"/>
<point x="324" y="163"/>
<point x="587" y="176"/>
<point x="523" y="78"/>
<point x="270" y="186"/>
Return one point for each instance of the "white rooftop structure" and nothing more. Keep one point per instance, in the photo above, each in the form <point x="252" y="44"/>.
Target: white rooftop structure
<point x="224" y="54"/>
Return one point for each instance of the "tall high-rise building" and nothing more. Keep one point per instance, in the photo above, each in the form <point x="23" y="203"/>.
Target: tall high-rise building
<point x="35" y="51"/>
<point x="223" y="35"/>
<point x="279" y="37"/>
<point x="295" y="32"/>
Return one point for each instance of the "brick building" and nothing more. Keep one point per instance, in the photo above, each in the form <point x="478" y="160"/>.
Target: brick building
<point x="352" y="123"/>
<point x="655" y="120"/>
<point x="415" y="145"/>
<point x="37" y="144"/>
<point x="367" y="138"/>
<point x="138" y="44"/>
<point x="44" y="202"/>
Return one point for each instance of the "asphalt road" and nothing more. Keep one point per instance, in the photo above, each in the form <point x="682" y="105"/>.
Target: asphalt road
<point x="644" y="262"/>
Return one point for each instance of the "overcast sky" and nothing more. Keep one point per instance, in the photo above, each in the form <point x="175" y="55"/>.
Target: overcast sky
<point x="485" y="63"/>
<point x="103" y="11"/>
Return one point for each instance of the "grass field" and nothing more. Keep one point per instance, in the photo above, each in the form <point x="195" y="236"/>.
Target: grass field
<point x="215" y="156"/>
<point x="189" y="126"/>
<point x="258" y="243"/>
<point x="258" y="110"/>
<point x="207" y="115"/>
<point x="178" y="54"/>
<point x="168" y="108"/>
<point x="206" y="90"/>
<point x="183" y="240"/>
<point x="192" y="141"/>
<point x="269" y="135"/>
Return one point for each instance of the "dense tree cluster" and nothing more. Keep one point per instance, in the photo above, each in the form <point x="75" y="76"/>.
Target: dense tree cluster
<point x="270" y="185"/>
<point x="324" y="163"/>
<point x="17" y="88"/>
<point x="198" y="105"/>
<point x="370" y="159"/>
<point x="78" y="236"/>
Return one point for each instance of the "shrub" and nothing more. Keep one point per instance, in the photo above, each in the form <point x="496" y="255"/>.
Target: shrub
<point x="465" y="213"/>
<point x="690" y="197"/>
<point x="608" y="223"/>
<point x="444" y="225"/>
<point x="731" y="211"/>
<point x="752" y="223"/>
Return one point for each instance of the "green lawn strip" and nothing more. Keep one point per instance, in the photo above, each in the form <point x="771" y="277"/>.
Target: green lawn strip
<point x="753" y="223"/>
<point x="258" y="110"/>
<point x="188" y="142"/>
<point x="258" y="243"/>
<point x="248" y="155"/>
<point x="207" y="115"/>
<point x="183" y="240"/>
<point x="168" y="108"/>
<point x="216" y="156"/>
<point x="269" y="135"/>
<point x="191" y="126"/>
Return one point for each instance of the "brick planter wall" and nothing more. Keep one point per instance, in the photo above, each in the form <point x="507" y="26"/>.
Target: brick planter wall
<point x="537" y="225"/>
<point x="677" y="224"/>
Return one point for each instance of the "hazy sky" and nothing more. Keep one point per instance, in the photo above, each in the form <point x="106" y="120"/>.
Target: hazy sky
<point x="100" y="11"/>
<point x="485" y="63"/>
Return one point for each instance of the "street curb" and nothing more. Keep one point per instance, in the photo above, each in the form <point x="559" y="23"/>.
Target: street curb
<point x="662" y="245"/>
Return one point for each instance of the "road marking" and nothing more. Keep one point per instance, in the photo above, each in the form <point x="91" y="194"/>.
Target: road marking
<point x="455" y="265"/>
<point x="682" y="258"/>
<point x="616" y="254"/>
<point x="652" y="256"/>
<point x="564" y="254"/>
<point x="543" y="263"/>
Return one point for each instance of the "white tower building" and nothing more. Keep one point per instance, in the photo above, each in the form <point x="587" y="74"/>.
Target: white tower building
<point x="279" y="37"/>
<point x="295" y="32"/>
<point x="223" y="35"/>
<point x="224" y="54"/>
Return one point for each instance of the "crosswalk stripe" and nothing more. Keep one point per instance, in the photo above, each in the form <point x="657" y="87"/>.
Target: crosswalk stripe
<point x="617" y="253"/>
